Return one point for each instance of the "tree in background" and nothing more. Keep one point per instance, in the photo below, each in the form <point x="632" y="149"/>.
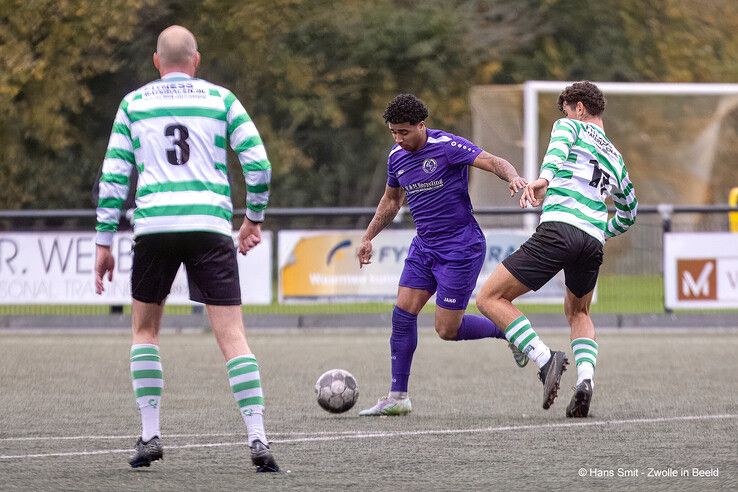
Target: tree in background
<point x="49" y="51"/>
<point x="316" y="74"/>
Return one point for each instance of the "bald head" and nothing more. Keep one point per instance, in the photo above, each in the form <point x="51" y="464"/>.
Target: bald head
<point x="176" y="48"/>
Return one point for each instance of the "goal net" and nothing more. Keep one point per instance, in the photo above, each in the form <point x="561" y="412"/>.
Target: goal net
<point x="678" y="142"/>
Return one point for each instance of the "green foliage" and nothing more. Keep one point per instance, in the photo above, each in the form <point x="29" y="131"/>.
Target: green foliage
<point x="316" y="74"/>
<point x="49" y="52"/>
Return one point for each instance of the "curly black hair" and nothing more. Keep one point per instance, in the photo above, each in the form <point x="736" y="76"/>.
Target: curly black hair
<point x="586" y="92"/>
<point x="405" y="108"/>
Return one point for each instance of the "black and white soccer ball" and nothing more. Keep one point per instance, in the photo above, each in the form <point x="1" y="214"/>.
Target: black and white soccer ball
<point x="337" y="390"/>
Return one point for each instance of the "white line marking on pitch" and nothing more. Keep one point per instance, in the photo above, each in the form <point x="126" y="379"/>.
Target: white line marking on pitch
<point x="368" y="435"/>
<point x="227" y="434"/>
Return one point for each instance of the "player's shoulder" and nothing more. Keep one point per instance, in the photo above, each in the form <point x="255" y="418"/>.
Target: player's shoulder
<point x="447" y="140"/>
<point x="214" y="89"/>
<point x="440" y="137"/>
<point x="567" y="124"/>
<point x="394" y="152"/>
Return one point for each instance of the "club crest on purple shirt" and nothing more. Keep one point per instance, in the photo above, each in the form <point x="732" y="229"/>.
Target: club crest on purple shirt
<point x="429" y="165"/>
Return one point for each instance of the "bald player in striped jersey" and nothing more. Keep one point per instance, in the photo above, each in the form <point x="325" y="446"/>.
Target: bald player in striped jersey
<point x="174" y="131"/>
<point x="580" y="170"/>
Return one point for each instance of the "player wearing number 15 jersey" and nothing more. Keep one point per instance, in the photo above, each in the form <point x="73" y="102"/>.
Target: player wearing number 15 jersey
<point x="581" y="169"/>
<point x="175" y="131"/>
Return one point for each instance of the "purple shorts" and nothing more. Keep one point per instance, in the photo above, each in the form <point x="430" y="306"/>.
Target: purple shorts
<point x="451" y="275"/>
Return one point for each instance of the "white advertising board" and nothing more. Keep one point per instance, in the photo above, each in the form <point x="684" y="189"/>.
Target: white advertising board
<point x="322" y="266"/>
<point x="57" y="268"/>
<point x="701" y="270"/>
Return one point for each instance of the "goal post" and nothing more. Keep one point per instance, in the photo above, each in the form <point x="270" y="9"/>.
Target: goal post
<point x="678" y="142"/>
<point x="532" y="88"/>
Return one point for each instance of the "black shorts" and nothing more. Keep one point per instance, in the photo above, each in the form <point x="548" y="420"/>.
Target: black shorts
<point x="557" y="245"/>
<point x="209" y="258"/>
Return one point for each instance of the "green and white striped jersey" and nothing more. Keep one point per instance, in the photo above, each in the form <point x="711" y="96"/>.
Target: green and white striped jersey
<point x="583" y="168"/>
<point x="175" y="131"/>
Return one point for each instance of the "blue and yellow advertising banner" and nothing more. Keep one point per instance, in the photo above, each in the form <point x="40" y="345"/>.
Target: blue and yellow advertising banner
<point x="321" y="266"/>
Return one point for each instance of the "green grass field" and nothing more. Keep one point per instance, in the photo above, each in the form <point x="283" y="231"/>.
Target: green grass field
<point x="624" y="294"/>
<point x="664" y="400"/>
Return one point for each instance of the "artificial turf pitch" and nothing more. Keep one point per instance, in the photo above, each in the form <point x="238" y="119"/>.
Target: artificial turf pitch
<point x="665" y="410"/>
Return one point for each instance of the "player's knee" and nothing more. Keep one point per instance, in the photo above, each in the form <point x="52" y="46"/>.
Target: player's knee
<point x="446" y="331"/>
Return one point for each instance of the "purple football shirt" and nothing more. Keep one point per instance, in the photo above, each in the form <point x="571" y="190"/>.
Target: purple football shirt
<point x="436" y="181"/>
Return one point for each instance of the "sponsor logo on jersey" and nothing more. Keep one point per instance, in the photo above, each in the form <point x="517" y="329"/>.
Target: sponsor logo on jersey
<point x="600" y="141"/>
<point x="429" y="165"/>
<point x="427" y="186"/>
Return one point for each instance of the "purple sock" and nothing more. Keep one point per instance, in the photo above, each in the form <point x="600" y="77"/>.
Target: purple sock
<point x="403" y="341"/>
<point x="476" y="327"/>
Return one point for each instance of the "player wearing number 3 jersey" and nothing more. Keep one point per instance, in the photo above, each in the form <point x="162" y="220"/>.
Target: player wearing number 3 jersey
<point x="175" y="131"/>
<point x="581" y="169"/>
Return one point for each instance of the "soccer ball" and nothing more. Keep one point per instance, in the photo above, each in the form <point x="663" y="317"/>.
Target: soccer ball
<point x="337" y="390"/>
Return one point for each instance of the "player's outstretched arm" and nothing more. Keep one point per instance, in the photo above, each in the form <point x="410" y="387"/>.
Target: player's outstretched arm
<point x="502" y="168"/>
<point x="387" y="209"/>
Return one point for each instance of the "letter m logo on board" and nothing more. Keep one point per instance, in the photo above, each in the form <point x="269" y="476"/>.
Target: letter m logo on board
<point x="697" y="280"/>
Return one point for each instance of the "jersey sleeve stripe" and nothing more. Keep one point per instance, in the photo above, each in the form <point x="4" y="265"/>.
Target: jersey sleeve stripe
<point x="110" y="203"/>
<point x="626" y="207"/>
<point x="248" y="144"/>
<point x="552" y="152"/>
<point x="115" y="153"/>
<point x="220" y="141"/>
<point x="107" y="226"/>
<point x="256" y="166"/>
<point x="123" y="129"/>
<point x="238" y="121"/>
<point x="560" y="139"/>
<point x="257" y="207"/>
<point x="229" y="100"/>
<point x="114" y="178"/>
<point x="258" y="188"/>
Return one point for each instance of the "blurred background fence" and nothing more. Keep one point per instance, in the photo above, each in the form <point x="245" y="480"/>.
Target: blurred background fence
<point x="631" y="278"/>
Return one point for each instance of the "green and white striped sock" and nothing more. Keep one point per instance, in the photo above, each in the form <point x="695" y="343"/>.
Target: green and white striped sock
<point x="148" y="382"/>
<point x="585" y="356"/>
<point x="243" y="376"/>
<point x="521" y="334"/>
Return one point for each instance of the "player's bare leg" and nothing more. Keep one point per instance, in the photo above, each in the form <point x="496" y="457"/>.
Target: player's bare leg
<point x="495" y="301"/>
<point x="148" y="380"/>
<point x="456" y="325"/>
<point x="228" y="328"/>
<point x="245" y="381"/>
<point x="403" y="342"/>
<point x="585" y="350"/>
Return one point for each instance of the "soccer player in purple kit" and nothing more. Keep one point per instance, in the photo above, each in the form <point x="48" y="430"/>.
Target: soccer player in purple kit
<point x="447" y="254"/>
